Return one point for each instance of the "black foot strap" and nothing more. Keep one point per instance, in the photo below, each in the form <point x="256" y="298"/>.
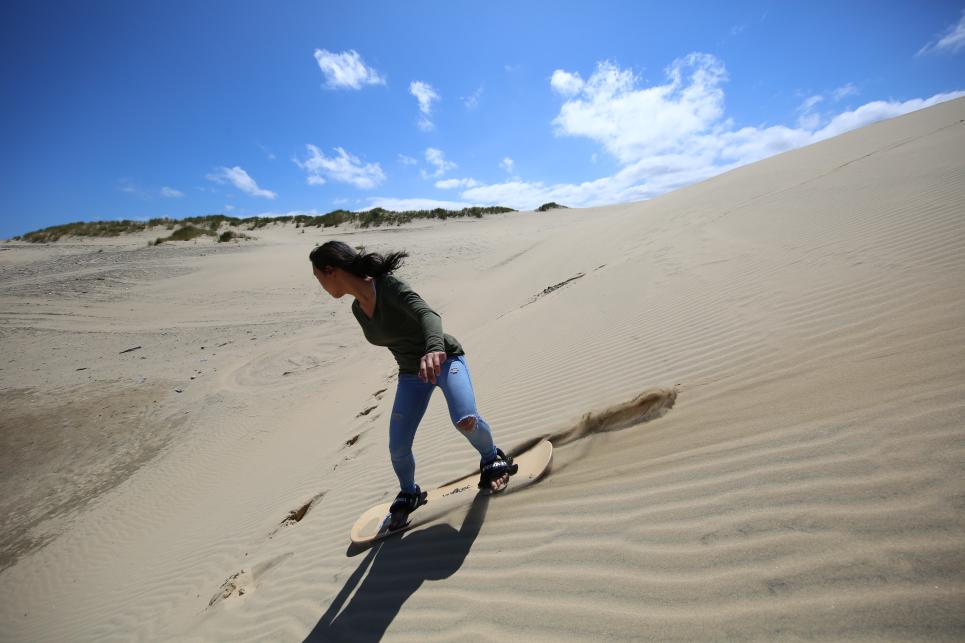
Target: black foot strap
<point x="408" y="502"/>
<point x="496" y="469"/>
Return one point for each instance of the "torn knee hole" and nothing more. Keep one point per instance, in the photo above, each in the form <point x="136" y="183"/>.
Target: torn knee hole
<point x="467" y="425"/>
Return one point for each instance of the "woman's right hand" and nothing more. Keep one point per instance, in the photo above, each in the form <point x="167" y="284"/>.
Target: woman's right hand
<point x="431" y="365"/>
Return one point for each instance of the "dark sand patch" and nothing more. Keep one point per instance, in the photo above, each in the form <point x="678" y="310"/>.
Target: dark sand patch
<point x="61" y="449"/>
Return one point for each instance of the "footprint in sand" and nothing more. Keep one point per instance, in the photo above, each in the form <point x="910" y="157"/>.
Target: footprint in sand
<point x="243" y="582"/>
<point x="295" y="516"/>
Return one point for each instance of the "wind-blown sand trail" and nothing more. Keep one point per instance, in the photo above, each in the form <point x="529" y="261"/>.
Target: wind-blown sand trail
<point x="774" y="361"/>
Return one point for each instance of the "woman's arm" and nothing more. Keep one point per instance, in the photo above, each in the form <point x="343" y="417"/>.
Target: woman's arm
<point x="415" y="307"/>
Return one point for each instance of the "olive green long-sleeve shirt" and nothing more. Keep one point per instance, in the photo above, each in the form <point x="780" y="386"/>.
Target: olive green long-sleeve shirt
<point x="405" y="324"/>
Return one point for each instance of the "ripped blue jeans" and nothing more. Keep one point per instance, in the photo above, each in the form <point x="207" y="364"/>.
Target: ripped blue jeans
<point x="411" y="401"/>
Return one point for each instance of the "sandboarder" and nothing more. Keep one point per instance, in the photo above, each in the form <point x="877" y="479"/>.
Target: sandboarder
<point x="393" y="315"/>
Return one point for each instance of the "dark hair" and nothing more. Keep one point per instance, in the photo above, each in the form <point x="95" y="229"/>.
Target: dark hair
<point x="339" y="254"/>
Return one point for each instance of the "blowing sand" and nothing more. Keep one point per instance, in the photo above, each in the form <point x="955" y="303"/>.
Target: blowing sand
<point x="756" y="387"/>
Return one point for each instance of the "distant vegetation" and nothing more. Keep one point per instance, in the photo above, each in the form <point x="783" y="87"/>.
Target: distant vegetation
<point x="380" y="217"/>
<point x="186" y="233"/>
<point x="88" y="229"/>
<point x="230" y="235"/>
<point x="550" y="206"/>
<point x="194" y="227"/>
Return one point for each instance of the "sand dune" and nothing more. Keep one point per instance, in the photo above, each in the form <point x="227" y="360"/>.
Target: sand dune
<point x="756" y="386"/>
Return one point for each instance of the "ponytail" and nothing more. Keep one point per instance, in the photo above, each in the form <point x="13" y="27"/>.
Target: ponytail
<point x="341" y="255"/>
<point x="375" y="265"/>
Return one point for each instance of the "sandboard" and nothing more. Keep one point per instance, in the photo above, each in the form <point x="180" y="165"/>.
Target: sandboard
<point x="373" y="524"/>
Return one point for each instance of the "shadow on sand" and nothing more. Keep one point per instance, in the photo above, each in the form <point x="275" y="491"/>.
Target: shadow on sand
<point x="397" y="568"/>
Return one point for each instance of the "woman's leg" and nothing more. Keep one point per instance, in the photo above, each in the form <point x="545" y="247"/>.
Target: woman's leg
<point x="455" y="382"/>
<point x="411" y="400"/>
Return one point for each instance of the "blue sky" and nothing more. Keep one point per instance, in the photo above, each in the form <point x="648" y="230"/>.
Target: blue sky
<point x="136" y="109"/>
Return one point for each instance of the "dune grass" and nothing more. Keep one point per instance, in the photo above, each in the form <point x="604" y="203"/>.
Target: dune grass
<point x="194" y="227"/>
<point x="186" y="233"/>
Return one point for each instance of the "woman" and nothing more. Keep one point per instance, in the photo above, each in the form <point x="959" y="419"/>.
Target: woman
<point x="391" y="314"/>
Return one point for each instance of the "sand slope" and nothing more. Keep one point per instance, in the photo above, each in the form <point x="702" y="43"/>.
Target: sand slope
<point x="794" y="468"/>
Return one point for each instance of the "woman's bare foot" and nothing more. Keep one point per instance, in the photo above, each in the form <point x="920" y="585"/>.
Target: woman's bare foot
<point x="494" y="475"/>
<point x="500" y="483"/>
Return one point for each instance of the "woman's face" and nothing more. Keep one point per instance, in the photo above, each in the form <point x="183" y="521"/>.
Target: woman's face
<point x="329" y="281"/>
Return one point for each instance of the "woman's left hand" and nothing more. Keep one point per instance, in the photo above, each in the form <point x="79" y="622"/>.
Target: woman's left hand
<point x="431" y="365"/>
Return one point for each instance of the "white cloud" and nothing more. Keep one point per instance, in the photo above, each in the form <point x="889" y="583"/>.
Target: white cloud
<point x="641" y="180"/>
<point x="128" y="187"/>
<point x="472" y="101"/>
<point x="240" y="179"/>
<point x="400" y="205"/>
<point x="809" y="103"/>
<point x="425" y="94"/>
<point x="952" y="39"/>
<point x="566" y="83"/>
<point x="346" y="70"/>
<point x="684" y="118"/>
<point x="675" y="134"/>
<point x="507" y="164"/>
<point x="877" y="111"/>
<point x="449" y="184"/>
<point x="171" y="192"/>
<point x="807" y="119"/>
<point x="670" y="135"/>
<point x="634" y="123"/>
<point x="846" y="90"/>
<point x="438" y="159"/>
<point x="229" y="208"/>
<point x="344" y="168"/>
<point x="407" y="160"/>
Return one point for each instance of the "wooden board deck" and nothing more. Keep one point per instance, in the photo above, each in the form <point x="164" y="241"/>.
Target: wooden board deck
<point x="533" y="464"/>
